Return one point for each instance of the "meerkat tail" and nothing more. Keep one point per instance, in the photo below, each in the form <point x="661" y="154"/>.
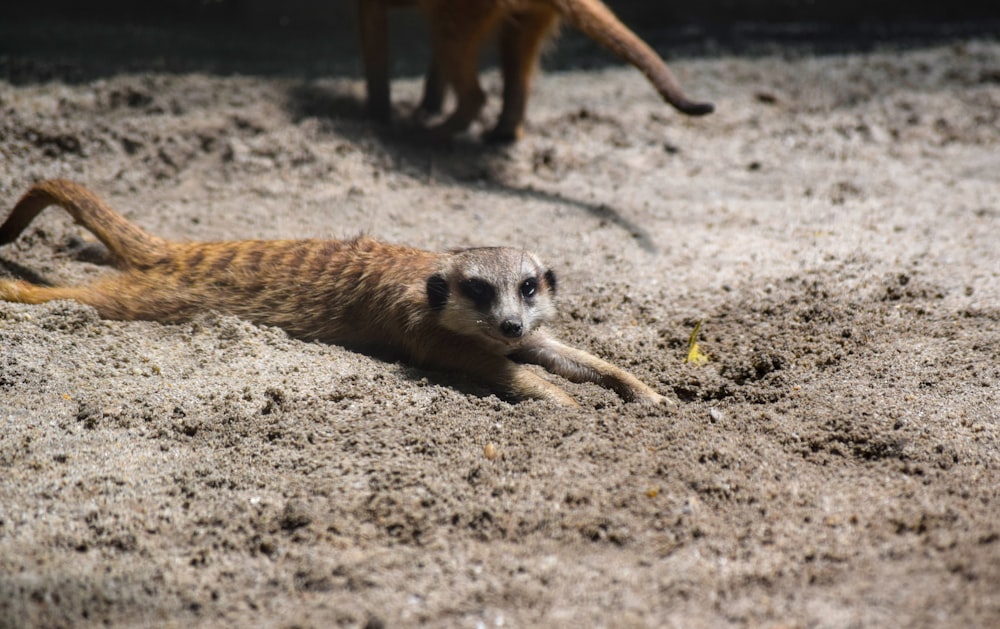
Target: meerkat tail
<point x="598" y="22"/>
<point x="131" y="246"/>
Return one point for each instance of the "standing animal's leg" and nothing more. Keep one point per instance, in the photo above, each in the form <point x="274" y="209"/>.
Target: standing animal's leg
<point x="373" y="23"/>
<point x="457" y="35"/>
<point x="522" y="35"/>
<point x="434" y="89"/>
<point x="578" y="366"/>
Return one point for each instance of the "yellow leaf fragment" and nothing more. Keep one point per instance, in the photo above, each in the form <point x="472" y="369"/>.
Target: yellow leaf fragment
<point x="695" y="355"/>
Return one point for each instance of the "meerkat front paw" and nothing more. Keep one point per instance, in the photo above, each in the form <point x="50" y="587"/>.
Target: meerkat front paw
<point x="653" y="398"/>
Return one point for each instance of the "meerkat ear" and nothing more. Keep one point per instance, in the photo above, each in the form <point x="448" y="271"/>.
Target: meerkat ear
<point x="550" y="279"/>
<point x="437" y="291"/>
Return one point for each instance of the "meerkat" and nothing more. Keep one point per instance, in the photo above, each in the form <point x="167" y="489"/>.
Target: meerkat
<point x="479" y="311"/>
<point x="458" y="31"/>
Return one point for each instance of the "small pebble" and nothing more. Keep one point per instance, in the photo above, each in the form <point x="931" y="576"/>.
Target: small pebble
<point x="490" y="451"/>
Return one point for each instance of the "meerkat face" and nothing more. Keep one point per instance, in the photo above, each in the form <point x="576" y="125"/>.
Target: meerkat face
<point x="501" y="295"/>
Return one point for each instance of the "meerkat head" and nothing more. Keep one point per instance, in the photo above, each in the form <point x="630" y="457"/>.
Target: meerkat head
<point x="499" y="294"/>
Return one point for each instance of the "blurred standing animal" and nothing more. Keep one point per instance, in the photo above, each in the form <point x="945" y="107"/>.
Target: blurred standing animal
<point x="458" y="30"/>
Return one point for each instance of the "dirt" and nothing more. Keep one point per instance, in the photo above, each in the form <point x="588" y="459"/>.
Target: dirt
<point x="834" y="463"/>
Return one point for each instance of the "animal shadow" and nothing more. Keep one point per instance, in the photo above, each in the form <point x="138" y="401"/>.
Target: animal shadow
<point x="459" y="161"/>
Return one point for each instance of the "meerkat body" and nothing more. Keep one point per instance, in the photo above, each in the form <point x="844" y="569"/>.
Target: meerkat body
<point x="459" y="29"/>
<point x="477" y="311"/>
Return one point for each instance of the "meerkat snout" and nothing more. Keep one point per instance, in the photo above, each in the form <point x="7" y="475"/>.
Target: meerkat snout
<point x="511" y="328"/>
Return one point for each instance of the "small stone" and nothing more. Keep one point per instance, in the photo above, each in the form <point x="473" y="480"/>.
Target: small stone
<point x="490" y="451"/>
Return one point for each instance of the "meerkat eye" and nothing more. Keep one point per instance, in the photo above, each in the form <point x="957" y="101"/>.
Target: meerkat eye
<point x="529" y="287"/>
<point x="479" y="291"/>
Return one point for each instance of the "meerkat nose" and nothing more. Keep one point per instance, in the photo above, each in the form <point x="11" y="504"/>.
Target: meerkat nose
<point x="511" y="328"/>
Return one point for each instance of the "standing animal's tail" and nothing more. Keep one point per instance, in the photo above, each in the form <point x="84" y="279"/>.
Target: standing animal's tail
<point x="131" y="246"/>
<point x="600" y="24"/>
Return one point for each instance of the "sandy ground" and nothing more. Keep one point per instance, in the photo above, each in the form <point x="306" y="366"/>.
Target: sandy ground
<point x="835" y="463"/>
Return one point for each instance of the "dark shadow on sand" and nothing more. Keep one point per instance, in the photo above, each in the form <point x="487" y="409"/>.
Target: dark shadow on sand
<point x="461" y="162"/>
<point x="21" y="272"/>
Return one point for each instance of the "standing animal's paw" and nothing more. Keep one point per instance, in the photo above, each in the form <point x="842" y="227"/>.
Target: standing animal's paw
<point x="502" y="135"/>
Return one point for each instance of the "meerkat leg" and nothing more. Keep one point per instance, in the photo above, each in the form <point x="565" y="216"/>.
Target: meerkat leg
<point x="456" y="44"/>
<point x="19" y="291"/>
<point x="521" y="39"/>
<point x="579" y="366"/>
<point x="500" y="372"/>
<point x="525" y="384"/>
<point x="121" y="297"/>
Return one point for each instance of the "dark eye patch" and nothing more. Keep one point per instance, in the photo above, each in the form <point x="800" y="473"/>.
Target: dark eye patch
<point x="550" y="279"/>
<point x="529" y="287"/>
<point x="437" y="291"/>
<point x="479" y="291"/>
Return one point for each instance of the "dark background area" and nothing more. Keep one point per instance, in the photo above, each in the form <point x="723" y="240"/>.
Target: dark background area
<point x="313" y="15"/>
<point x="43" y="40"/>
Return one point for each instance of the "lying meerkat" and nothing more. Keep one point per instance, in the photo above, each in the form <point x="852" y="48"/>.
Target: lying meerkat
<point x="477" y="311"/>
<point x="459" y="29"/>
